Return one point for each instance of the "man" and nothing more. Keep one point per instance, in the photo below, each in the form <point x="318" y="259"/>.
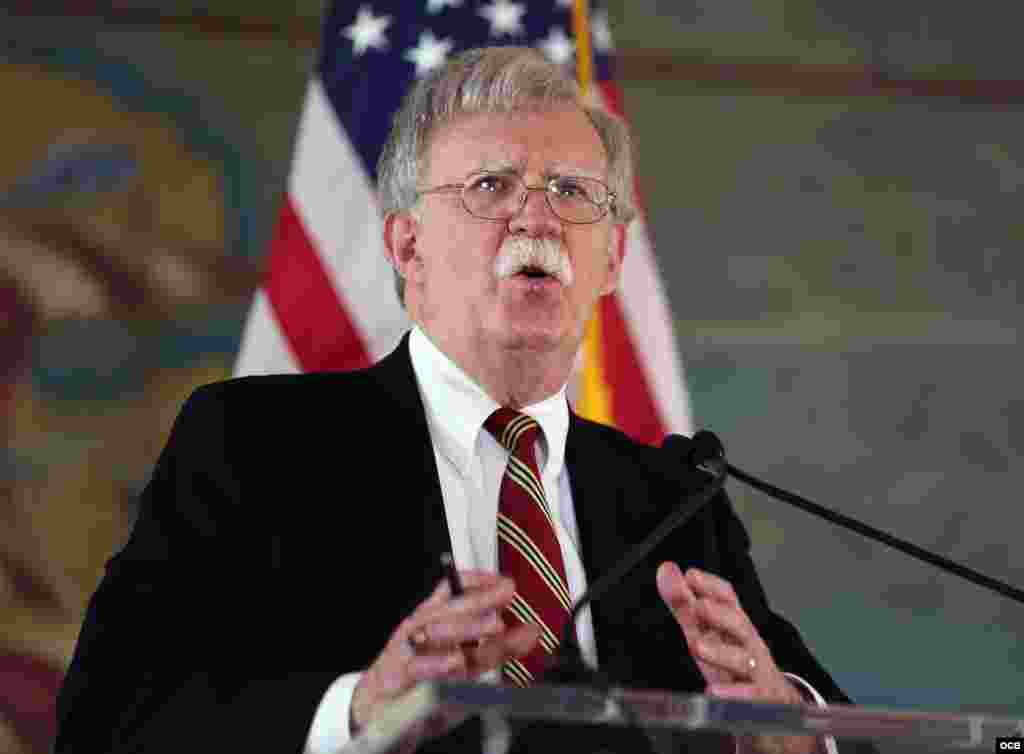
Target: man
<point x="254" y="557"/>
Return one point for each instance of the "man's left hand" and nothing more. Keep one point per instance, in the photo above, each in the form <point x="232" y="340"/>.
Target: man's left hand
<point x="728" y="649"/>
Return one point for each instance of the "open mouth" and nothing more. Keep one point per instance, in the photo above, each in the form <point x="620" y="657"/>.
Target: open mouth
<point x="534" y="273"/>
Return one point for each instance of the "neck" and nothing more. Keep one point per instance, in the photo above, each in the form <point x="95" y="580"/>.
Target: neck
<point x="514" y="375"/>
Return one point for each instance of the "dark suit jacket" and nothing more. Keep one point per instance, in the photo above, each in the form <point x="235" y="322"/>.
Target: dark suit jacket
<point x="290" y="524"/>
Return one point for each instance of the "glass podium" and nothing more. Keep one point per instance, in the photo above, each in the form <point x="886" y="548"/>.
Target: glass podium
<point x="660" y="717"/>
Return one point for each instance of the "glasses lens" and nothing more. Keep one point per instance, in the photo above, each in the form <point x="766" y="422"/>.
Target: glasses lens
<point x="577" y="199"/>
<point x="493" y="196"/>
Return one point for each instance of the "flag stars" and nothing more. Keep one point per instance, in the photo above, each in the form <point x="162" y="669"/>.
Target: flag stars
<point x="429" y="53"/>
<point x="602" y="34"/>
<point x="436" y="6"/>
<point x="367" y="31"/>
<point x="504" y="17"/>
<point x="557" y="46"/>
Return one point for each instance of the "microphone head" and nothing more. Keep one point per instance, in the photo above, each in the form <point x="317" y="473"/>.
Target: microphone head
<point x="706" y="447"/>
<point x="702" y="449"/>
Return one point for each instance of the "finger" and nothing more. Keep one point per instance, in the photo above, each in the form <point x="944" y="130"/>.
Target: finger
<point x="680" y="600"/>
<point x="474" y="578"/>
<point x="427" y="667"/>
<point x="711" y="674"/>
<point x="441" y="592"/>
<point x="515" y="642"/>
<point x="748" y="691"/>
<point x="522" y="639"/>
<point x="708" y="585"/>
<point x="737" y="661"/>
<point x="673" y="588"/>
<point x="471" y="579"/>
<point x="730" y="621"/>
<point x="410" y="634"/>
<point x="473" y="603"/>
<point x="454" y="630"/>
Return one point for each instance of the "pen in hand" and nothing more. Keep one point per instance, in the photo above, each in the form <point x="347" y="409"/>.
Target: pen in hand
<point x="451" y="574"/>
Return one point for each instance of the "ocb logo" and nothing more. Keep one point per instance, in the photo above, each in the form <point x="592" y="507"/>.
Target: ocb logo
<point x="1013" y="744"/>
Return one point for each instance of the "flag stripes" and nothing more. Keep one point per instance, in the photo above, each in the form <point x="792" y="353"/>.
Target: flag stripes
<point x="327" y="302"/>
<point x="302" y="296"/>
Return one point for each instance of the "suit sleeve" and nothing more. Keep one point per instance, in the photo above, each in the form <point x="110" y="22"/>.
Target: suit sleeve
<point x="166" y="660"/>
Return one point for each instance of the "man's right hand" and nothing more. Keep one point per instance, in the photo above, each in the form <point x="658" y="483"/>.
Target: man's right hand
<point x="445" y="637"/>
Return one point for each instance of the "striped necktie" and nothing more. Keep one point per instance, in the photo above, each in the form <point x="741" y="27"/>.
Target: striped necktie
<point x="528" y="549"/>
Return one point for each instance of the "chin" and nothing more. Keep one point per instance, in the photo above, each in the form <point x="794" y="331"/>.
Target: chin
<point x="533" y="338"/>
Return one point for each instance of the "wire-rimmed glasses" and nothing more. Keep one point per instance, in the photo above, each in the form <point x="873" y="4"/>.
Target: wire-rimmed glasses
<point x="501" y="196"/>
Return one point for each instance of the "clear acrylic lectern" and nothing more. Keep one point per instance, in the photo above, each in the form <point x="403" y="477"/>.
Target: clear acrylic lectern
<point x="657" y="712"/>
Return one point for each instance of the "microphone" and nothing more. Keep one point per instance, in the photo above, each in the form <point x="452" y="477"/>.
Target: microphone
<point x="705" y="444"/>
<point x="704" y="452"/>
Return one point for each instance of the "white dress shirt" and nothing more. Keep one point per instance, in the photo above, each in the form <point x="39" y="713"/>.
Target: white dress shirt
<point x="471" y="463"/>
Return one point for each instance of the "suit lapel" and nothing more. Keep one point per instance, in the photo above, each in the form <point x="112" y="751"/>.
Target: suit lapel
<point x="617" y="505"/>
<point x="598" y="498"/>
<point x="428" y="529"/>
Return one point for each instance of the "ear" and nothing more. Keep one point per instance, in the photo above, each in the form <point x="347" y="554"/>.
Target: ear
<point x="616" y="254"/>
<point x="400" y="229"/>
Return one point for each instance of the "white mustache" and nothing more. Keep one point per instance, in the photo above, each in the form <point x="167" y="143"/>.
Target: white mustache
<point x="519" y="252"/>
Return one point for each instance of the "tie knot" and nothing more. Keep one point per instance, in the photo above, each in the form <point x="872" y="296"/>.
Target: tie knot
<point x="512" y="429"/>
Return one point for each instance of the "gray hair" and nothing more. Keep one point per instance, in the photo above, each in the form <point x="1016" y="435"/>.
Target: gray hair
<point x="490" y="80"/>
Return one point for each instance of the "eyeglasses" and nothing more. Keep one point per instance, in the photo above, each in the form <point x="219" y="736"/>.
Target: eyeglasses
<point x="501" y="196"/>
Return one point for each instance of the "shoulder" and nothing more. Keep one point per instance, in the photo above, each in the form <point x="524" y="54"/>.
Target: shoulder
<point x="270" y="387"/>
<point x="649" y="476"/>
<point x="253" y="414"/>
<point x="282" y="394"/>
<point x="591" y="442"/>
<point x="240" y="388"/>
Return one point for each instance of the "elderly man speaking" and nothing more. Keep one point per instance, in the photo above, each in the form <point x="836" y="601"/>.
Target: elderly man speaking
<point x="281" y="584"/>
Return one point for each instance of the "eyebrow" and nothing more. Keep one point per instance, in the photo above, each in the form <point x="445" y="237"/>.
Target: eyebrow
<point x="551" y="171"/>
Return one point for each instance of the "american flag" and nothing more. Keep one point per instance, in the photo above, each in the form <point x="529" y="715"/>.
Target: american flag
<point x="328" y="302"/>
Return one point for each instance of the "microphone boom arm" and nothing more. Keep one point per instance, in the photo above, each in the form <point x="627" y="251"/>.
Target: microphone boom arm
<point x="642" y="549"/>
<point x="876" y="534"/>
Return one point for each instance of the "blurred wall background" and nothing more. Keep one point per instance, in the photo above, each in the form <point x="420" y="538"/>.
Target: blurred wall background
<point x="833" y="194"/>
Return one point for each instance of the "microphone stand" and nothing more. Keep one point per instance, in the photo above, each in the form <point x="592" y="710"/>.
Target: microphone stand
<point x="569" y="667"/>
<point x="705" y="452"/>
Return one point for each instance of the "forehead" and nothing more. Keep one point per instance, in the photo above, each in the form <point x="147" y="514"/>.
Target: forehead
<point x="534" y="141"/>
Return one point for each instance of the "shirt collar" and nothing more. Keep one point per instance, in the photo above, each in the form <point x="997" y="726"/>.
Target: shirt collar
<point x="457" y="408"/>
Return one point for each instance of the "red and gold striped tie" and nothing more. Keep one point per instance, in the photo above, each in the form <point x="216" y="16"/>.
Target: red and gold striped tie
<point x="528" y="550"/>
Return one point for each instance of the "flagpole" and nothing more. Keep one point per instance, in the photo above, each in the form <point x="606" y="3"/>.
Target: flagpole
<point x="595" y="399"/>
<point x="584" y="57"/>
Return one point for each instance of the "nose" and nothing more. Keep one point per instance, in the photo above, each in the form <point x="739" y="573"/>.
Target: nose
<point x="535" y="218"/>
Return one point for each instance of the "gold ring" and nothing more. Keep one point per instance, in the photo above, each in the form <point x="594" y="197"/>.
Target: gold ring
<point x="417" y="640"/>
